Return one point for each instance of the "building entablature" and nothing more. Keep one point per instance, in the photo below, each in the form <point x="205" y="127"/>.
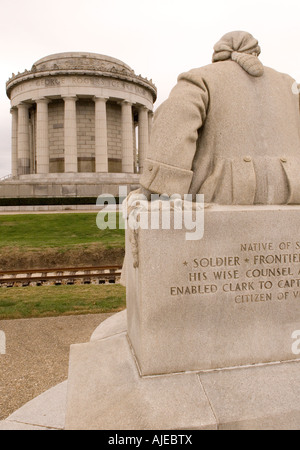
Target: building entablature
<point x="85" y="67"/>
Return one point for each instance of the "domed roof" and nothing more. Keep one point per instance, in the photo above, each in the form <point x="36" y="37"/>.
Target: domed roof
<point x="80" y="61"/>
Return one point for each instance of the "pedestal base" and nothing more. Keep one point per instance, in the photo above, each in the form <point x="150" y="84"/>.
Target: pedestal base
<point x="106" y="391"/>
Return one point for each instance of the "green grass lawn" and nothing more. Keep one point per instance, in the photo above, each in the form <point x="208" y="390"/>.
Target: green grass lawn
<point x="56" y="230"/>
<point x="47" y="301"/>
<point x="25" y="234"/>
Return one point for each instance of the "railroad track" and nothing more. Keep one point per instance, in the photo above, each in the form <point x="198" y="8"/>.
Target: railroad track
<point x="59" y="276"/>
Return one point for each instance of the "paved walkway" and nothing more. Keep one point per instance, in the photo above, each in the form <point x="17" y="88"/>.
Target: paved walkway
<point x="37" y="355"/>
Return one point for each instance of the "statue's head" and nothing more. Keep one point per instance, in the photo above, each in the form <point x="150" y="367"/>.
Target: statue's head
<point x="241" y="47"/>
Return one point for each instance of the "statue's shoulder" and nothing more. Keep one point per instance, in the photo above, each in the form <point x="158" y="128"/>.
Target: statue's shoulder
<point x="217" y="74"/>
<point x="210" y="71"/>
<point x="275" y="74"/>
<point x="199" y="76"/>
<point x="197" y="72"/>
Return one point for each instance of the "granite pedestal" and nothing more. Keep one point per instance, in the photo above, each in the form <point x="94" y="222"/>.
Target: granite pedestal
<point x="209" y="341"/>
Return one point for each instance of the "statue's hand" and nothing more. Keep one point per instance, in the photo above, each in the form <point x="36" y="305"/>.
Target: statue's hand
<point x="134" y="196"/>
<point x="138" y="194"/>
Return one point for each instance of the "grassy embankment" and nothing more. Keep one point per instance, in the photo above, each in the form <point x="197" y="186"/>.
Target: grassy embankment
<point x="64" y="240"/>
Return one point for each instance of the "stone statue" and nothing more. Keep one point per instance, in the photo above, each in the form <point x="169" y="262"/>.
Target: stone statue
<point x="229" y="130"/>
<point x="206" y="315"/>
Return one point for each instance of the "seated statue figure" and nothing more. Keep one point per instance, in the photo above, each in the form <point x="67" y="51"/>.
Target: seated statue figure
<point x="229" y="130"/>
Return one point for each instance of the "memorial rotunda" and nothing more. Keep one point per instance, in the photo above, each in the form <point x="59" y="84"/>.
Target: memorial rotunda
<point x="79" y="118"/>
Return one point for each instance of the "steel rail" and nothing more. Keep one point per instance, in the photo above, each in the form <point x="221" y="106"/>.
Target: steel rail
<point x="70" y="275"/>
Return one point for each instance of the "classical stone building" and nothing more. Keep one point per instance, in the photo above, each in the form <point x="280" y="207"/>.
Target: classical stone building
<point x="78" y="119"/>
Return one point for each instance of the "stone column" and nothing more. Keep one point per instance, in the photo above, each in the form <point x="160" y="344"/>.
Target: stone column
<point x="31" y="145"/>
<point x="70" y="137"/>
<point x="42" y="136"/>
<point x="23" y="139"/>
<point x="101" y="156"/>
<point x="14" y="142"/>
<point x="143" y="136"/>
<point x="150" y="118"/>
<point x="127" y="138"/>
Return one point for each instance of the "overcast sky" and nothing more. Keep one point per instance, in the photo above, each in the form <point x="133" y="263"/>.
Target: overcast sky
<point x="158" y="38"/>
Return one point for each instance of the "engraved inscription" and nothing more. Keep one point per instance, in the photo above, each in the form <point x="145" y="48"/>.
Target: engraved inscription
<point x="114" y="84"/>
<point x="80" y="81"/>
<point x="258" y="272"/>
<point x="51" y="82"/>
